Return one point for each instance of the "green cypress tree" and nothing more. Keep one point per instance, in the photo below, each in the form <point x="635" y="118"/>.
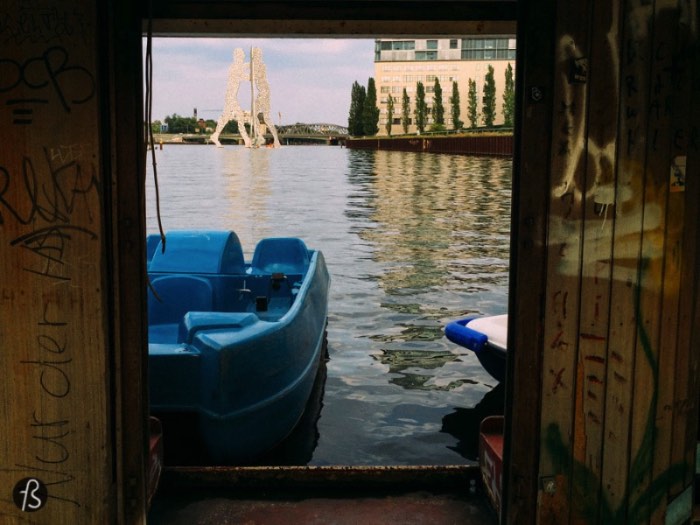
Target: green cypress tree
<point x="489" y="100"/>
<point x="370" y="110"/>
<point x="438" y="107"/>
<point x="472" y="112"/>
<point x="357" y="101"/>
<point x="421" y="110"/>
<point x="389" y="114"/>
<point x="405" y="111"/>
<point x="456" y="111"/>
<point x="509" y="97"/>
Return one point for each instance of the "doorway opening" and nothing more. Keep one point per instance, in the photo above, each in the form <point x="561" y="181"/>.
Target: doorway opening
<point x="412" y="240"/>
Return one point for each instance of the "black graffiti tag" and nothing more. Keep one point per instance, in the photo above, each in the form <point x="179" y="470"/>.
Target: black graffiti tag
<point x="54" y="201"/>
<point x="48" y="73"/>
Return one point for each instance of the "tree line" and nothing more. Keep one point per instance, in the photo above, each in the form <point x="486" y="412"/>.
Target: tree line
<point x="363" y="119"/>
<point x="178" y="124"/>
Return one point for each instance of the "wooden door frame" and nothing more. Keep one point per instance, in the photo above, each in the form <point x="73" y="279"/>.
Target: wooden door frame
<point x="307" y="19"/>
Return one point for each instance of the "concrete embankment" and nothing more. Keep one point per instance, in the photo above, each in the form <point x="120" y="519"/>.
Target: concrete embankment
<point x="500" y="145"/>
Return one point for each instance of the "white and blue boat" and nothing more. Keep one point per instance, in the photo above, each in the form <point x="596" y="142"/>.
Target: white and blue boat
<point x="487" y="337"/>
<point x="233" y="347"/>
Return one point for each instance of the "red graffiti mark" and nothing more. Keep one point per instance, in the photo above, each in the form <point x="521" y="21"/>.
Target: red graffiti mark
<point x="619" y="377"/>
<point x="560" y="297"/>
<point x="557" y="380"/>
<point x="592" y="337"/>
<point x="596" y="312"/>
<point x="594" y="379"/>
<point x="593" y="417"/>
<point x="616" y="357"/>
<point x="591" y="395"/>
<point x="595" y="359"/>
<point x="557" y="341"/>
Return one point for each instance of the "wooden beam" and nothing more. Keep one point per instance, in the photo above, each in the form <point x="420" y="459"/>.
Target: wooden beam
<point x="533" y="135"/>
<point x="348" y="18"/>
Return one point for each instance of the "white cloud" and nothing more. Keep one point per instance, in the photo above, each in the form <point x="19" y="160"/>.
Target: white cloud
<point x="310" y="79"/>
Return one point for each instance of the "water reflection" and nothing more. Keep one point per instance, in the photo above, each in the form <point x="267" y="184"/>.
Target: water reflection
<point x="437" y="224"/>
<point x="463" y="423"/>
<point x="410" y="369"/>
<point x="411" y="240"/>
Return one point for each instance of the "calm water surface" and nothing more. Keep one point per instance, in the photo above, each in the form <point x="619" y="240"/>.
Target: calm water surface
<point x="412" y="241"/>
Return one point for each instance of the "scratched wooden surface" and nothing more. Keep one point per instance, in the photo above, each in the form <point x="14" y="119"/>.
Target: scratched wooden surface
<point x="55" y="464"/>
<point x="597" y="239"/>
<point x="565" y="233"/>
<point x="666" y="310"/>
<point x="629" y="280"/>
<point x="619" y="386"/>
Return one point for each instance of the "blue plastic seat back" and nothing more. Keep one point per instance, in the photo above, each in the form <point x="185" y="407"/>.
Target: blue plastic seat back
<point x="152" y="242"/>
<point x="288" y="255"/>
<point x="209" y="252"/>
<point x="178" y="295"/>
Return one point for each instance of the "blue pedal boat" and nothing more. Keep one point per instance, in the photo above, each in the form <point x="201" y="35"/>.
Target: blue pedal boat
<point x="487" y="337"/>
<point x="234" y="347"/>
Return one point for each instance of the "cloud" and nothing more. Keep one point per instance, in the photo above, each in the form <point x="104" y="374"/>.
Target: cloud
<point x="310" y="79"/>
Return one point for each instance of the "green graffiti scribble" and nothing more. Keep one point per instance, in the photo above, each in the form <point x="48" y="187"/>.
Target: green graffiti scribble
<point x="589" y="502"/>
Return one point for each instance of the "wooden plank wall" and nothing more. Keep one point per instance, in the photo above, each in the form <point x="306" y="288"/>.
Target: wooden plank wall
<point x="617" y="340"/>
<point x="72" y="433"/>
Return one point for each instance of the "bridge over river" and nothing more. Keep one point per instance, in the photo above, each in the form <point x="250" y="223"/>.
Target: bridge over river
<point x="312" y="133"/>
<point x="319" y="133"/>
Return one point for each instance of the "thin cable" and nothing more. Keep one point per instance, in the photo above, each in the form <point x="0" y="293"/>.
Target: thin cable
<point x="149" y="125"/>
<point x="149" y="133"/>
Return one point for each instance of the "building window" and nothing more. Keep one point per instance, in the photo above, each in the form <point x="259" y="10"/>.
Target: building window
<point x="453" y="44"/>
<point x="398" y="45"/>
<point x="488" y="49"/>
<point x="426" y="55"/>
<point x="431" y="44"/>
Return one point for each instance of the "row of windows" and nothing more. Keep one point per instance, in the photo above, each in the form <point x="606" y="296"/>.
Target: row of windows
<point x="397" y="121"/>
<point x="426" y="55"/>
<point x="396" y="45"/>
<point x="418" y="78"/>
<point x="488" y="43"/>
<point x="488" y="54"/>
<point x="467" y="43"/>
<point x="420" y="67"/>
<point x="471" y="49"/>
<point x="466" y="54"/>
<point x="399" y="89"/>
<point x="398" y="101"/>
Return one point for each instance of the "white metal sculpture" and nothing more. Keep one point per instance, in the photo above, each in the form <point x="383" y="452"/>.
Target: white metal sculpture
<point x="255" y="72"/>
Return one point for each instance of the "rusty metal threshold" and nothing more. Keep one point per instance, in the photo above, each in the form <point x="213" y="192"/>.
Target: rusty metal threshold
<point x="449" y="477"/>
<point x="321" y="495"/>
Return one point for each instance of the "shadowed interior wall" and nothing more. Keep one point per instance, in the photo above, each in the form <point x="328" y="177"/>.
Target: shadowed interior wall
<point x="55" y="407"/>
<point x="610" y="149"/>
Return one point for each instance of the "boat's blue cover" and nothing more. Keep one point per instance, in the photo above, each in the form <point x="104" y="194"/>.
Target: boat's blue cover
<point x="238" y="345"/>
<point x="217" y="252"/>
<point x="458" y="332"/>
<point x="492" y="358"/>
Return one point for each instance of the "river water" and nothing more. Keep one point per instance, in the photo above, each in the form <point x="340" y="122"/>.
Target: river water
<point x="412" y="241"/>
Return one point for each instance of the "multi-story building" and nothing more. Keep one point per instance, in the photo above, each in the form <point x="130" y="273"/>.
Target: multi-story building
<point x="402" y="63"/>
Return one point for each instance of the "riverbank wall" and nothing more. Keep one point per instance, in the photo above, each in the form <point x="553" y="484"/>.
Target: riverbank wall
<point x="497" y="145"/>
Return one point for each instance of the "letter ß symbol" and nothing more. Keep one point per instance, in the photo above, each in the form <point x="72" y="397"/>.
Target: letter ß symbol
<point x="30" y="494"/>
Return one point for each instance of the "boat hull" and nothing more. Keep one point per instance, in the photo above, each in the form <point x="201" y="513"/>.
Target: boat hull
<point x="243" y="378"/>
<point x="474" y="333"/>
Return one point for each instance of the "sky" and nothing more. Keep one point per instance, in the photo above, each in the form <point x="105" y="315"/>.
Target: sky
<point x="310" y="79"/>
